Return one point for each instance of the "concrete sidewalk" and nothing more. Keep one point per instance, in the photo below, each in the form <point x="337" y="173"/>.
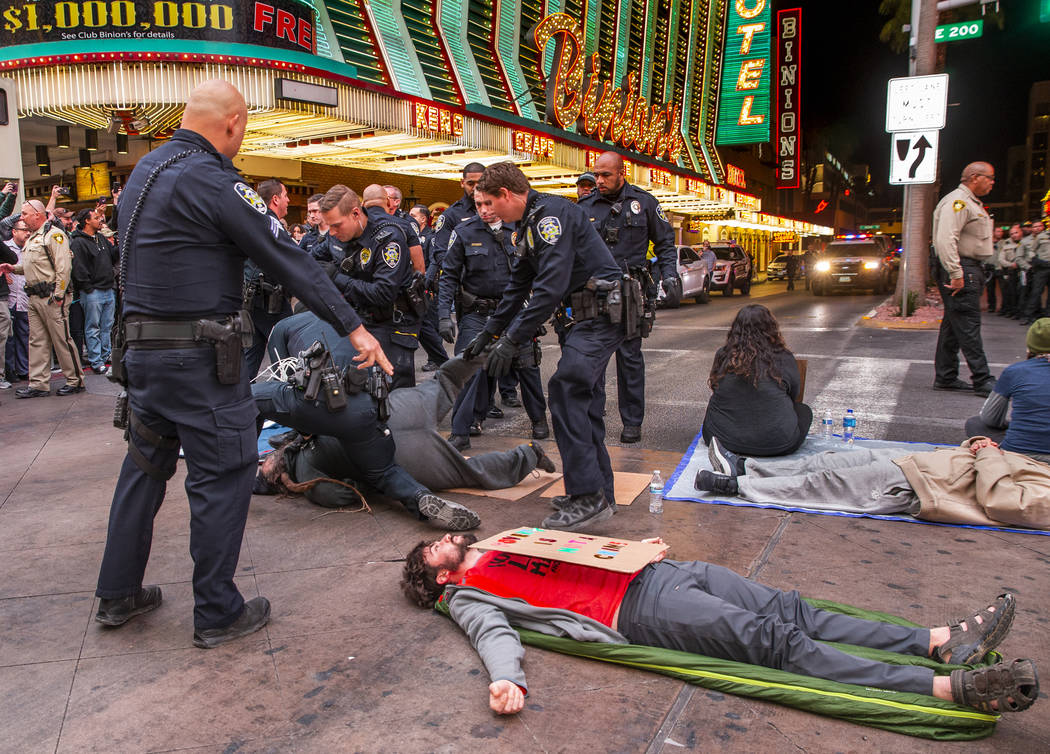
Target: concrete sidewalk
<point x="347" y="664"/>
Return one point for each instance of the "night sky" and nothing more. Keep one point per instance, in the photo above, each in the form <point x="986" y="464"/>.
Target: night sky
<point x="847" y="67"/>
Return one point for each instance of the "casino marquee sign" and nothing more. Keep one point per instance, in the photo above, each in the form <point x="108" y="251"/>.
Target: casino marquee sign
<point x="580" y="99"/>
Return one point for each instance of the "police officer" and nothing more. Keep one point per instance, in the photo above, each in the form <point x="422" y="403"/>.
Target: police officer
<point x="318" y="227"/>
<point x="46" y="264"/>
<point x="564" y="263"/>
<point x="991" y="270"/>
<point x="366" y="442"/>
<point x="428" y="330"/>
<point x="475" y="271"/>
<point x="1039" y="273"/>
<point x="628" y="218"/>
<point x="415" y="244"/>
<point x="962" y="238"/>
<point x="461" y="209"/>
<point x="584" y="184"/>
<point x="188" y="223"/>
<point x="1024" y="256"/>
<point x="1008" y="272"/>
<point x="265" y="299"/>
<point x="376" y="274"/>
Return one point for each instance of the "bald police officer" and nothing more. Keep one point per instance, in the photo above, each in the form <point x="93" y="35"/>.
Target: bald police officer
<point x="628" y="219"/>
<point x="187" y="224"/>
<point x="47" y="264"/>
<point x="962" y="238"/>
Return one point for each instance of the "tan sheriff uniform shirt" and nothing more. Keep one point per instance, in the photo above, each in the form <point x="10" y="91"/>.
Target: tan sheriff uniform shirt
<point x="47" y="243"/>
<point x="1008" y="254"/>
<point x="961" y="228"/>
<point x="1042" y="246"/>
<point x="1026" y="252"/>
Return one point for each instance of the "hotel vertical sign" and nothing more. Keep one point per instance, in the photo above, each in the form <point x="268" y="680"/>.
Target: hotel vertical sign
<point x="788" y="142"/>
<point x="743" y="107"/>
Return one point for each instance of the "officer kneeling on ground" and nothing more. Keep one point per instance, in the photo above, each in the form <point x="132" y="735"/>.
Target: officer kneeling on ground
<point x="187" y="223"/>
<point x="319" y="395"/>
<point x="565" y="264"/>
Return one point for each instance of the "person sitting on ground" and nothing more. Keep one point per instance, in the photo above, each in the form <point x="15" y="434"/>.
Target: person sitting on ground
<point x="977" y="483"/>
<point x="755" y="382"/>
<point x="1027" y="385"/>
<point x="701" y="608"/>
<point x="420" y="449"/>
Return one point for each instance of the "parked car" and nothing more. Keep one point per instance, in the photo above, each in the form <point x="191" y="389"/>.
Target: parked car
<point x="777" y="269"/>
<point x="696" y="283"/>
<point x="853" y="264"/>
<point x="732" y="269"/>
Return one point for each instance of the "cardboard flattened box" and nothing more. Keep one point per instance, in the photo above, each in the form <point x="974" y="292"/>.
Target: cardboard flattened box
<point x="623" y="555"/>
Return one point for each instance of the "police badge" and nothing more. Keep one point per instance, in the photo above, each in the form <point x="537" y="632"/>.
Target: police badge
<point x="550" y="229"/>
<point x="636" y="207"/>
<point x="366" y="255"/>
<point x="391" y="255"/>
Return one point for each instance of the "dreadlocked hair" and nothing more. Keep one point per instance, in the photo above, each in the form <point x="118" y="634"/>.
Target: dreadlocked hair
<point x="752" y="345"/>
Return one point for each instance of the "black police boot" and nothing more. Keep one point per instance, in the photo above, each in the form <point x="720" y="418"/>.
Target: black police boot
<point x="494" y="412"/>
<point x="709" y="481"/>
<point x="724" y="461"/>
<point x="255" y="615"/>
<point x="630" y="434"/>
<point x="984" y="389"/>
<point x="475" y="429"/>
<point x="31" y="392"/>
<point x="543" y="461"/>
<point x="117" y="612"/>
<point x="581" y="512"/>
<point x="459" y="442"/>
<point x="445" y="514"/>
<point x="540" y="430"/>
<point x="510" y="400"/>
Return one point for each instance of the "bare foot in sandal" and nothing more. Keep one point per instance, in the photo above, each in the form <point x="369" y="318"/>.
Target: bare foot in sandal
<point x="968" y="640"/>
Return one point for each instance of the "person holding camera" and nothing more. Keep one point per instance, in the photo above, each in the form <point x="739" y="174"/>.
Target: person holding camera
<point x="46" y="264"/>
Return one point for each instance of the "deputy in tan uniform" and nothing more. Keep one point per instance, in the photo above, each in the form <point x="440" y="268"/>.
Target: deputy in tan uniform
<point x="1009" y="274"/>
<point x="1037" y="254"/>
<point x="46" y="264"/>
<point x="962" y="238"/>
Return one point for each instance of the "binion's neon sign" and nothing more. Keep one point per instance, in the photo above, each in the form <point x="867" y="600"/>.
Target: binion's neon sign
<point x="579" y="99"/>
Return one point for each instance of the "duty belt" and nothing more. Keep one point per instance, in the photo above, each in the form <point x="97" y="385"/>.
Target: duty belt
<point x="169" y="333"/>
<point x="40" y="290"/>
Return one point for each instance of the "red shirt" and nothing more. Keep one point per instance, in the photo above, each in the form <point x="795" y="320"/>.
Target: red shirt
<point x="541" y="582"/>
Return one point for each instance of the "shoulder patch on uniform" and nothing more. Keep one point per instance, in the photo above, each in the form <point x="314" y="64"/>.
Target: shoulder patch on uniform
<point x="366" y="255"/>
<point x="550" y="229"/>
<point x="392" y="255"/>
<point x="958" y="205"/>
<point x="452" y="238"/>
<point x="440" y="223"/>
<point x="661" y="214"/>
<point x="58" y="237"/>
<point x="636" y="207"/>
<point x="252" y="199"/>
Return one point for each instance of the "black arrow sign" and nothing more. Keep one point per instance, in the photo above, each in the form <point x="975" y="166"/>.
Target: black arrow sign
<point x="922" y="145"/>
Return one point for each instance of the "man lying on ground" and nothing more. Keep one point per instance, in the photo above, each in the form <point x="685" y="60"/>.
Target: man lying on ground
<point x="701" y="608"/>
<point x="976" y="483"/>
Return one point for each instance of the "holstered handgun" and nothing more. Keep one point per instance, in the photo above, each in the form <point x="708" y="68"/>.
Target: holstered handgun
<point x="416" y="294"/>
<point x="378" y="387"/>
<point x="229" y="354"/>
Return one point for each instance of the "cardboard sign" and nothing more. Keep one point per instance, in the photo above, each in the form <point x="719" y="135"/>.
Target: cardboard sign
<point x="609" y="553"/>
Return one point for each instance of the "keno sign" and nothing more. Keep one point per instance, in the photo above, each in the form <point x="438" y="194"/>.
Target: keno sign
<point x="788" y="138"/>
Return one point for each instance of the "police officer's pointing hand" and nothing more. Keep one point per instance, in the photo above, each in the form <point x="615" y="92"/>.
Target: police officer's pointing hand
<point x="369" y="351"/>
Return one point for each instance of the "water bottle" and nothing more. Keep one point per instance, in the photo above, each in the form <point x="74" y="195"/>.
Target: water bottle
<point x="656" y="493"/>
<point x="827" y="425"/>
<point x="849" y="426"/>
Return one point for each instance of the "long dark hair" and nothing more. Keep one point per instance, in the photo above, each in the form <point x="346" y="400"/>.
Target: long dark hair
<point x="751" y="348"/>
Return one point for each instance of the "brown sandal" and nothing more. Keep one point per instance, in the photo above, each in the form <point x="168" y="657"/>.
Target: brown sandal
<point x="1013" y="687"/>
<point x="966" y="646"/>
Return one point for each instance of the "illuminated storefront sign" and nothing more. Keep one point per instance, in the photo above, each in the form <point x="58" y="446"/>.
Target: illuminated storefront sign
<point x="748" y="201"/>
<point x="534" y="144"/>
<point x="284" y="24"/>
<point x="436" y="120"/>
<point x="788" y="141"/>
<point x="743" y="108"/>
<point x="785" y="236"/>
<point x="735" y="176"/>
<point x="660" y="178"/>
<point x="579" y="99"/>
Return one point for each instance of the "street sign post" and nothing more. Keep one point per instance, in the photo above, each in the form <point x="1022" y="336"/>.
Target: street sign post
<point x="913" y="157"/>
<point x="961" y="30"/>
<point x="917" y="103"/>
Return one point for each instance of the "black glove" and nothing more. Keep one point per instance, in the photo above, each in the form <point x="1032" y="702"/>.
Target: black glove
<point x="478" y="345"/>
<point x="330" y="269"/>
<point x="501" y="358"/>
<point x="671" y="284"/>
<point x="447" y="330"/>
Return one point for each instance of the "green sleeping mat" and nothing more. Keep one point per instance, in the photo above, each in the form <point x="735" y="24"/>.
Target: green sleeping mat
<point x="897" y="711"/>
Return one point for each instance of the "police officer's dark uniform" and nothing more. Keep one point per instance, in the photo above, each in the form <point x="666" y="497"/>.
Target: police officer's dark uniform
<point x="561" y="251"/>
<point x="375" y="278"/>
<point x="428" y="332"/>
<point x="475" y="271"/>
<point x="627" y="221"/>
<point x="265" y="301"/>
<point x="460" y="210"/>
<point x="310" y="238"/>
<point x="184" y="271"/>
<point x="365" y="440"/>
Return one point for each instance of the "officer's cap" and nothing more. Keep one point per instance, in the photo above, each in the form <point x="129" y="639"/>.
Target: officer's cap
<point x="588" y="176"/>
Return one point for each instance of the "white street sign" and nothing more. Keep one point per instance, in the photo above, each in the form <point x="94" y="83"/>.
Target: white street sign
<point x="916" y="103"/>
<point x="913" y="157"/>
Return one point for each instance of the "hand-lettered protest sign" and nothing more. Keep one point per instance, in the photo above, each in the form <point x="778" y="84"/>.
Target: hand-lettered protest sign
<point x="609" y="553"/>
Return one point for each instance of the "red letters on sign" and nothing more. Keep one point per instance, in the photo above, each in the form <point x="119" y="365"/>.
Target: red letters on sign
<point x="263" y="16"/>
<point x="306" y="35"/>
<point x="285" y="27"/>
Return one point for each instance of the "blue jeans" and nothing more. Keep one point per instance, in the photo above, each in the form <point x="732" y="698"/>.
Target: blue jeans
<point x="99" y="307"/>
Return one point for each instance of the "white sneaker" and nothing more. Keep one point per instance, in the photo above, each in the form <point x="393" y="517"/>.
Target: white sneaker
<point x="5" y="385"/>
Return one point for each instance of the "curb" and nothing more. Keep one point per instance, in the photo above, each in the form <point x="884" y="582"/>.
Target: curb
<point x="875" y="324"/>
